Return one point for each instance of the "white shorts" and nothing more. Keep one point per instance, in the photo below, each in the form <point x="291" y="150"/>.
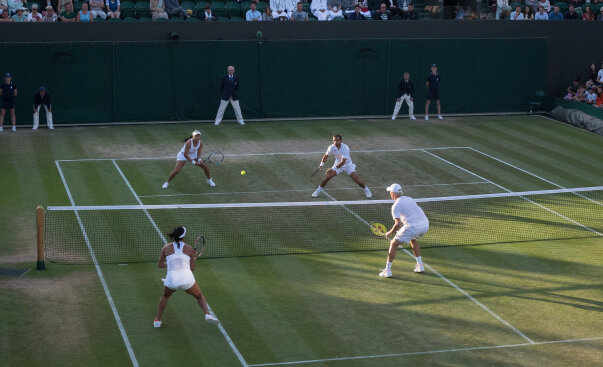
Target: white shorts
<point x="407" y="233"/>
<point x="348" y="168"/>
<point x="181" y="157"/>
<point x="179" y="280"/>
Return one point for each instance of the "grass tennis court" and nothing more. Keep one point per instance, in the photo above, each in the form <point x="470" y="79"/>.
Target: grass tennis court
<point x="520" y="303"/>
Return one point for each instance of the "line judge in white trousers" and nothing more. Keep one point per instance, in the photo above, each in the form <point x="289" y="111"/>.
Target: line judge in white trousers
<point x="406" y="91"/>
<point x="42" y="98"/>
<point x="229" y="89"/>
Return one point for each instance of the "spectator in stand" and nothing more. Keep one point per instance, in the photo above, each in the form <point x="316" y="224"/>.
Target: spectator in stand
<point x="459" y="12"/>
<point x="541" y="15"/>
<point x="546" y="4"/>
<point x="432" y="7"/>
<point x="19" y="16"/>
<point x="575" y="3"/>
<point x="532" y="4"/>
<point x="348" y="6"/>
<point x="364" y="8"/>
<point x="599" y="101"/>
<point x="592" y="72"/>
<point x="591" y="97"/>
<point x="334" y="11"/>
<point x="3" y="6"/>
<point x="572" y="89"/>
<point x="34" y="15"/>
<point x="356" y="15"/>
<point x="299" y="15"/>
<point x="579" y="97"/>
<point x="279" y="11"/>
<point x="601" y="13"/>
<point x="373" y="6"/>
<point x="571" y="14"/>
<point x="318" y="8"/>
<point x="114" y="8"/>
<point x="50" y="15"/>
<point x="84" y="15"/>
<point x="8" y="92"/>
<point x="392" y="7"/>
<point x="588" y="13"/>
<point x="15" y="5"/>
<point x="4" y="17"/>
<point x="253" y="15"/>
<point x="517" y="14"/>
<point x="599" y="78"/>
<point x="502" y="9"/>
<point x="67" y="15"/>
<point x="207" y="14"/>
<point x="411" y="14"/>
<point x="403" y="6"/>
<point x="383" y="13"/>
<point x="174" y="9"/>
<point x="158" y="9"/>
<point x="267" y="14"/>
<point x="97" y="9"/>
<point x="528" y="13"/>
<point x="42" y="97"/>
<point x="63" y="3"/>
<point x="44" y="4"/>
<point x="555" y="14"/>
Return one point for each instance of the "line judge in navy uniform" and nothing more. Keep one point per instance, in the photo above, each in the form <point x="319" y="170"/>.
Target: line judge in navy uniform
<point x="406" y="92"/>
<point x="229" y="89"/>
<point x="8" y="89"/>
<point x="433" y="91"/>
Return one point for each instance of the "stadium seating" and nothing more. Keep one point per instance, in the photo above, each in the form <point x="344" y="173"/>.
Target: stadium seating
<point x="128" y="9"/>
<point x="143" y="9"/>
<point x="189" y="5"/>
<point x="233" y="9"/>
<point x="218" y="8"/>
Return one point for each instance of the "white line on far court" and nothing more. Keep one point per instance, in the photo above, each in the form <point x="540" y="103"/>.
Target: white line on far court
<point x="122" y="330"/>
<point x="222" y="330"/>
<point x="307" y="190"/>
<point x="429" y="352"/>
<point x="260" y="154"/>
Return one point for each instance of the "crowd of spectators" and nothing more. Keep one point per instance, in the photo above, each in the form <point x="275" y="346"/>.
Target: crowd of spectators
<point x="294" y="10"/>
<point x="591" y="92"/>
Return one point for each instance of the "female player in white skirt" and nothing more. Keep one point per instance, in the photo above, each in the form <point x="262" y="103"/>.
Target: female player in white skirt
<point x="190" y="152"/>
<point x="179" y="259"/>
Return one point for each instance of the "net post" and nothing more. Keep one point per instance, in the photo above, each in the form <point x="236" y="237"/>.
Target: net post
<point x="40" y="237"/>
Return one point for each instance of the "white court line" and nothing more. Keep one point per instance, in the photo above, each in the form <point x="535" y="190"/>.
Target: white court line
<point x="428" y="352"/>
<point x="122" y="330"/>
<point x="448" y="281"/>
<point x="531" y="174"/>
<point x="222" y="330"/>
<point x="523" y="197"/>
<point x="260" y="154"/>
<point x="305" y="190"/>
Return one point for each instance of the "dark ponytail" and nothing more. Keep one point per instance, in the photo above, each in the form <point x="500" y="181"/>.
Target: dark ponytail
<point x="187" y="139"/>
<point x="175" y="235"/>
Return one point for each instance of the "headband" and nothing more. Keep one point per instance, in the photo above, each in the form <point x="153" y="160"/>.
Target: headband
<point x="183" y="233"/>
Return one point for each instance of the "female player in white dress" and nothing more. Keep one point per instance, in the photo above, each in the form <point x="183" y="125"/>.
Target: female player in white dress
<point x="179" y="259"/>
<point x="190" y="152"/>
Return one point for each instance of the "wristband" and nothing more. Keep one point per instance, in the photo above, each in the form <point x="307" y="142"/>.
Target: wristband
<point x="193" y="162"/>
<point x="321" y="164"/>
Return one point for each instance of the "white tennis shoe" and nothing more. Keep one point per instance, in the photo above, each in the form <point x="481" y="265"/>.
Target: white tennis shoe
<point x="14" y="128"/>
<point x="216" y="123"/>
<point x="426" y="117"/>
<point x="419" y="268"/>
<point x="393" y="117"/>
<point x="440" y="117"/>
<point x="241" y="122"/>
<point x="385" y="273"/>
<point x="316" y="193"/>
<point x="165" y="185"/>
<point x="157" y="323"/>
<point x="1" y="129"/>
<point x="211" y="183"/>
<point x="368" y="192"/>
<point x="412" y="117"/>
<point x="211" y="319"/>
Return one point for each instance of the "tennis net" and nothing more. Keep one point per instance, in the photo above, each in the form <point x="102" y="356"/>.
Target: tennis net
<point x="136" y="233"/>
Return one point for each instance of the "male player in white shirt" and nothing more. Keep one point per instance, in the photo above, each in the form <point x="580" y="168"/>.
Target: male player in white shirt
<point x="410" y="223"/>
<point x="343" y="163"/>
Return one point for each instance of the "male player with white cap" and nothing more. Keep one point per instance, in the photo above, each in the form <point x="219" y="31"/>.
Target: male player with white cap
<point x="410" y="223"/>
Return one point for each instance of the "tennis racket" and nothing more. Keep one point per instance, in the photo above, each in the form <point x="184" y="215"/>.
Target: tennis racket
<point x="378" y="229"/>
<point x="315" y="172"/>
<point x="214" y="157"/>
<point x="199" y="246"/>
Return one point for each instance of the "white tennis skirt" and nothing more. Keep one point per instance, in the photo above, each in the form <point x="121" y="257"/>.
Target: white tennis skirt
<point x="179" y="280"/>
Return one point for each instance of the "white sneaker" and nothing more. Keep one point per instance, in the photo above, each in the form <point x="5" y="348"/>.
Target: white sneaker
<point x="211" y="319"/>
<point x="241" y="122"/>
<point x="426" y="118"/>
<point x="14" y="128"/>
<point x="393" y="118"/>
<point x="316" y="193"/>
<point x="1" y="129"/>
<point x="385" y="273"/>
<point x="440" y="117"/>
<point x="211" y="183"/>
<point x="34" y="128"/>
<point x="157" y="323"/>
<point x="412" y="117"/>
<point x="216" y="123"/>
<point x="51" y="127"/>
<point x="368" y="192"/>
<point x="165" y="185"/>
<point x="419" y="268"/>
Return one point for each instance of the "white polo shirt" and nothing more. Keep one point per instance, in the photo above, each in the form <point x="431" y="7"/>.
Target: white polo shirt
<point x="339" y="154"/>
<point x="409" y="212"/>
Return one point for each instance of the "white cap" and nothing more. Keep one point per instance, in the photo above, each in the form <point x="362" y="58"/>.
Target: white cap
<point x="196" y="132"/>
<point x="395" y="188"/>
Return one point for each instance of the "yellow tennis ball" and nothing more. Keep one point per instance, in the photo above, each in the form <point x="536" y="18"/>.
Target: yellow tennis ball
<point x="242" y="173"/>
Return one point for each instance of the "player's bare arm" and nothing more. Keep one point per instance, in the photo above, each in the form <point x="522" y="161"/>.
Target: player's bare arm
<point x="395" y="228"/>
<point x="191" y="253"/>
<point x="162" y="263"/>
<point x="322" y="161"/>
<point x="187" y="149"/>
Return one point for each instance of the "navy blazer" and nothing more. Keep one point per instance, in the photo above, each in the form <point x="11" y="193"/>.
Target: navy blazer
<point x="229" y="90"/>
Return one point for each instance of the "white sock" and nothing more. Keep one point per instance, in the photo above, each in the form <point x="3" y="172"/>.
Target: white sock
<point x="388" y="266"/>
<point x="419" y="260"/>
<point x="319" y="188"/>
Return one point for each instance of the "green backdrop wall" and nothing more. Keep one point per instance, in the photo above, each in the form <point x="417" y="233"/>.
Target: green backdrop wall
<point x="156" y="81"/>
